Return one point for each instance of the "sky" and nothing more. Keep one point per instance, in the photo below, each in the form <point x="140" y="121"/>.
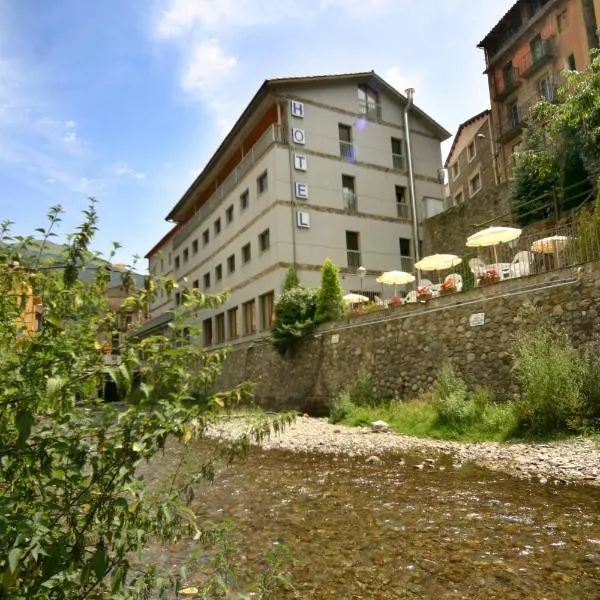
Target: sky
<point x="126" y="100"/>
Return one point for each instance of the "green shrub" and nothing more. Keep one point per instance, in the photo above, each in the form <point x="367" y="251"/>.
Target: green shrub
<point x="552" y="374"/>
<point x="361" y="391"/>
<point x="291" y="280"/>
<point x="330" y="301"/>
<point x="294" y="317"/>
<point x="341" y="408"/>
<point x="591" y="390"/>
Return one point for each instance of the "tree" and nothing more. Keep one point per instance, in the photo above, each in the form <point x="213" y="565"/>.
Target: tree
<point x="73" y="504"/>
<point x="330" y="301"/>
<point x="294" y="317"/>
<point x="291" y="279"/>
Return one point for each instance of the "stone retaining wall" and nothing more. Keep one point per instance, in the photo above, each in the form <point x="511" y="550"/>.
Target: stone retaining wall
<point x="403" y="348"/>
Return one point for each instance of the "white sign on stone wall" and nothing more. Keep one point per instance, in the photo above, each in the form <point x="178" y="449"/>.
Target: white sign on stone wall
<point x="477" y="320"/>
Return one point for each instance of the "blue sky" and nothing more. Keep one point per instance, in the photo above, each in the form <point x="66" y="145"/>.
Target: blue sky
<point x="126" y="100"/>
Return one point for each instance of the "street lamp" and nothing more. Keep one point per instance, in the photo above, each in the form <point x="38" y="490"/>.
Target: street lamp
<point x="361" y="272"/>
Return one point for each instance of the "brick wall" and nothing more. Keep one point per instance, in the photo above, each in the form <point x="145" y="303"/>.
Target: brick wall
<point x="403" y="348"/>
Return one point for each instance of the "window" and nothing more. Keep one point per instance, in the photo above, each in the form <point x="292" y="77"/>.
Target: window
<point x="177" y="298"/>
<point x="195" y="247"/>
<point x="562" y="20"/>
<point x="245" y="200"/>
<point x="233" y="326"/>
<point x="177" y="262"/>
<point x="231" y="264"/>
<point x="349" y="194"/>
<point x="537" y="48"/>
<point x="205" y="237"/>
<point x="196" y="284"/>
<point x="397" y="153"/>
<point x="246" y="253"/>
<point x="508" y="74"/>
<point x="471" y="151"/>
<point x="455" y="171"/>
<point x="186" y="255"/>
<point x="571" y="64"/>
<point x="459" y="198"/>
<point x="162" y="265"/>
<point x="229" y="214"/>
<point x="264" y="240"/>
<point x="514" y="114"/>
<point x="206" y="280"/>
<point x="249" y="318"/>
<point x="402" y="205"/>
<point x="515" y="153"/>
<point x="262" y="183"/>
<point x="218" y="272"/>
<point x="220" y="327"/>
<point x="217" y="226"/>
<point x="169" y="259"/>
<point x="207" y="331"/>
<point x="353" y="249"/>
<point x="546" y="87"/>
<point x="345" y="136"/>
<point x="267" y="302"/>
<point x="406" y="258"/>
<point x="368" y="101"/>
<point x="474" y="184"/>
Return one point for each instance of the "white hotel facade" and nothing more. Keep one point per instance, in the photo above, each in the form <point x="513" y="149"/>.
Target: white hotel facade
<point x="314" y="168"/>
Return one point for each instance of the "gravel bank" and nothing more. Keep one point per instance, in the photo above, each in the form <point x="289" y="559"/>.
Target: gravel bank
<point x="576" y="461"/>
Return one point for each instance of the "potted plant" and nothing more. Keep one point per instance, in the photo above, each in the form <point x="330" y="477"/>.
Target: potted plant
<point x="424" y="293"/>
<point x="488" y="277"/>
<point x="394" y="301"/>
<point x="448" y="287"/>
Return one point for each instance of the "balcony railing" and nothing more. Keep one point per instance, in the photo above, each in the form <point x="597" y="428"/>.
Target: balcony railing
<point x="346" y="149"/>
<point x="273" y="135"/>
<point x="403" y="210"/>
<point x="510" y="82"/>
<point x="350" y="202"/>
<point x="544" y="53"/>
<point x="398" y="162"/>
<point x="372" y="110"/>
<point x="354" y="259"/>
<point x="407" y="264"/>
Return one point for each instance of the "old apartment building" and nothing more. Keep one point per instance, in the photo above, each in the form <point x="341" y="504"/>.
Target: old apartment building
<point x="470" y="163"/>
<point x="525" y="54"/>
<point x="315" y="167"/>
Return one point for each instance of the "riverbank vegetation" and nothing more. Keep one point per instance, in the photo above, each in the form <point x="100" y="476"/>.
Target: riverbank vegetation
<point x="559" y="396"/>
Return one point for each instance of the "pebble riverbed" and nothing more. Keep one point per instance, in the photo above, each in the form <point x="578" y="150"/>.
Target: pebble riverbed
<point x="553" y="462"/>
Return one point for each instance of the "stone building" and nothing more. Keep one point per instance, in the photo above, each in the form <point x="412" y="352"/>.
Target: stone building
<point x="470" y="163"/>
<point x="314" y="168"/>
<point x="525" y="53"/>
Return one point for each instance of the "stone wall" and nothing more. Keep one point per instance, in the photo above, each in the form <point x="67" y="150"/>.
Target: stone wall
<point x="403" y="348"/>
<point x="448" y="231"/>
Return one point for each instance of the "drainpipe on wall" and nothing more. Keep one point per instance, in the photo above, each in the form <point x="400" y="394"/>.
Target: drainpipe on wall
<point x="411" y="180"/>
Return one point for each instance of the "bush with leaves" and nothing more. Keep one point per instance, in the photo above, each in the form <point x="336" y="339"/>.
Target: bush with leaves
<point x="295" y="311"/>
<point x="73" y="504"/>
<point x="330" y="301"/>
<point x="291" y="279"/>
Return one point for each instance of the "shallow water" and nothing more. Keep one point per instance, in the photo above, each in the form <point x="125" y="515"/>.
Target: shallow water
<point x="388" y="530"/>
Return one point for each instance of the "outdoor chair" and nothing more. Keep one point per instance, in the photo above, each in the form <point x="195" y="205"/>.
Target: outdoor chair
<point x="411" y="297"/>
<point x="521" y="264"/>
<point x="477" y="267"/>
<point x="457" y="279"/>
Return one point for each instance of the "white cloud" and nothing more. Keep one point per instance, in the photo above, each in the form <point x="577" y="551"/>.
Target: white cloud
<point x="206" y="67"/>
<point x="126" y="171"/>
<point x="401" y="80"/>
<point x="179" y="16"/>
<point x="357" y="8"/>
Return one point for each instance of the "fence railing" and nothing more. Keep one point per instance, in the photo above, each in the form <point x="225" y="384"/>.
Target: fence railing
<point x="274" y="134"/>
<point x="371" y="109"/>
<point x="354" y="259"/>
<point x="398" y="161"/>
<point x="350" y="202"/>
<point x="346" y="149"/>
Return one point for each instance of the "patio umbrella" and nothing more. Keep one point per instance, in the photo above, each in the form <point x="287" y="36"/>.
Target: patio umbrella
<point x="438" y="262"/>
<point x="492" y="236"/>
<point x="355" y="298"/>
<point x="395" y="278"/>
<point x="550" y="245"/>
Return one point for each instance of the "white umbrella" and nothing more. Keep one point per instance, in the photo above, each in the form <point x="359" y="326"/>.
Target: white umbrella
<point x="550" y="245"/>
<point x="395" y="278"/>
<point x="438" y="262"/>
<point x="492" y="236"/>
<point x="355" y="298"/>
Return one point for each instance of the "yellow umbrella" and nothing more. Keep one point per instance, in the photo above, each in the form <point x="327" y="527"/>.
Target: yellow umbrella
<point x="550" y="244"/>
<point x="395" y="278"/>
<point x="438" y="262"/>
<point x="492" y="236"/>
<point x="355" y="298"/>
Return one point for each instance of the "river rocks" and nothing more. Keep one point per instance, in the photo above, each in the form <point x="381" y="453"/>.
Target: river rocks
<point x="560" y="462"/>
<point x="371" y="460"/>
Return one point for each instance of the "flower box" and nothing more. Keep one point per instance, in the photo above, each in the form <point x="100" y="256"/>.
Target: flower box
<point x="424" y="297"/>
<point x="446" y="291"/>
<point x="488" y="278"/>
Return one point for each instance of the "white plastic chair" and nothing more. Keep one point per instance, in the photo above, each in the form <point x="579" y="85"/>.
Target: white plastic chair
<point x="521" y="264"/>
<point x="477" y="267"/>
<point x="411" y="297"/>
<point x="457" y="279"/>
<point x="426" y="283"/>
